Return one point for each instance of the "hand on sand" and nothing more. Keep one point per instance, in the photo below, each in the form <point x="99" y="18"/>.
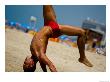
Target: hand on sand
<point x="85" y="61"/>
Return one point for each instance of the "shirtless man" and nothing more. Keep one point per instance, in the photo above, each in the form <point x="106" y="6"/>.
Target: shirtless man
<point x="40" y="40"/>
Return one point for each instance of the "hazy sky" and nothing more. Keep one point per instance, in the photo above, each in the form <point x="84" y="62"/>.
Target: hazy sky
<point x="66" y="14"/>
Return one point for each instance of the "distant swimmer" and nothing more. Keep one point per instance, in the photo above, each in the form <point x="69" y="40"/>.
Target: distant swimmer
<point x="40" y="40"/>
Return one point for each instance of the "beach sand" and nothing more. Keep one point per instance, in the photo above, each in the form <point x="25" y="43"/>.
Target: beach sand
<point x="65" y="58"/>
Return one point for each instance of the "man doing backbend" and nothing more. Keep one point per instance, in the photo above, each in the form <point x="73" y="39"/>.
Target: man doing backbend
<point x="40" y="40"/>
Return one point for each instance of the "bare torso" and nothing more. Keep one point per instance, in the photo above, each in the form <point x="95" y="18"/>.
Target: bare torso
<point x="40" y="40"/>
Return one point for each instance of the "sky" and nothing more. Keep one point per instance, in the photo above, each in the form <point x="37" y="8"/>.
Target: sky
<point x="66" y="14"/>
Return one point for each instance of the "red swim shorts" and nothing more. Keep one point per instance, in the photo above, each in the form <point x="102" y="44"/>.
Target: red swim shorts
<point x="55" y="28"/>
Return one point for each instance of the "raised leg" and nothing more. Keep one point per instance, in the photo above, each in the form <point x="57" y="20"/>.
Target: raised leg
<point x="48" y="13"/>
<point x="76" y="31"/>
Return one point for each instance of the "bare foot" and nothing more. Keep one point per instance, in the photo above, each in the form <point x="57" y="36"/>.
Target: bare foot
<point x="85" y="61"/>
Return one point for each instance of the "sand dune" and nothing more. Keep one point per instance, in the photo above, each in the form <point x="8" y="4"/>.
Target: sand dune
<point x="64" y="57"/>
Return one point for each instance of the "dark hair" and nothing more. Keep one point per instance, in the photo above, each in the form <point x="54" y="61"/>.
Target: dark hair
<point x="29" y="69"/>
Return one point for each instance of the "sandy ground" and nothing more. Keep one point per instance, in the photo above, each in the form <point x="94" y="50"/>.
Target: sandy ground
<point x="64" y="57"/>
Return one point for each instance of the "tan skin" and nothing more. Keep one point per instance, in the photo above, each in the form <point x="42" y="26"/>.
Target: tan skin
<point x="40" y="40"/>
